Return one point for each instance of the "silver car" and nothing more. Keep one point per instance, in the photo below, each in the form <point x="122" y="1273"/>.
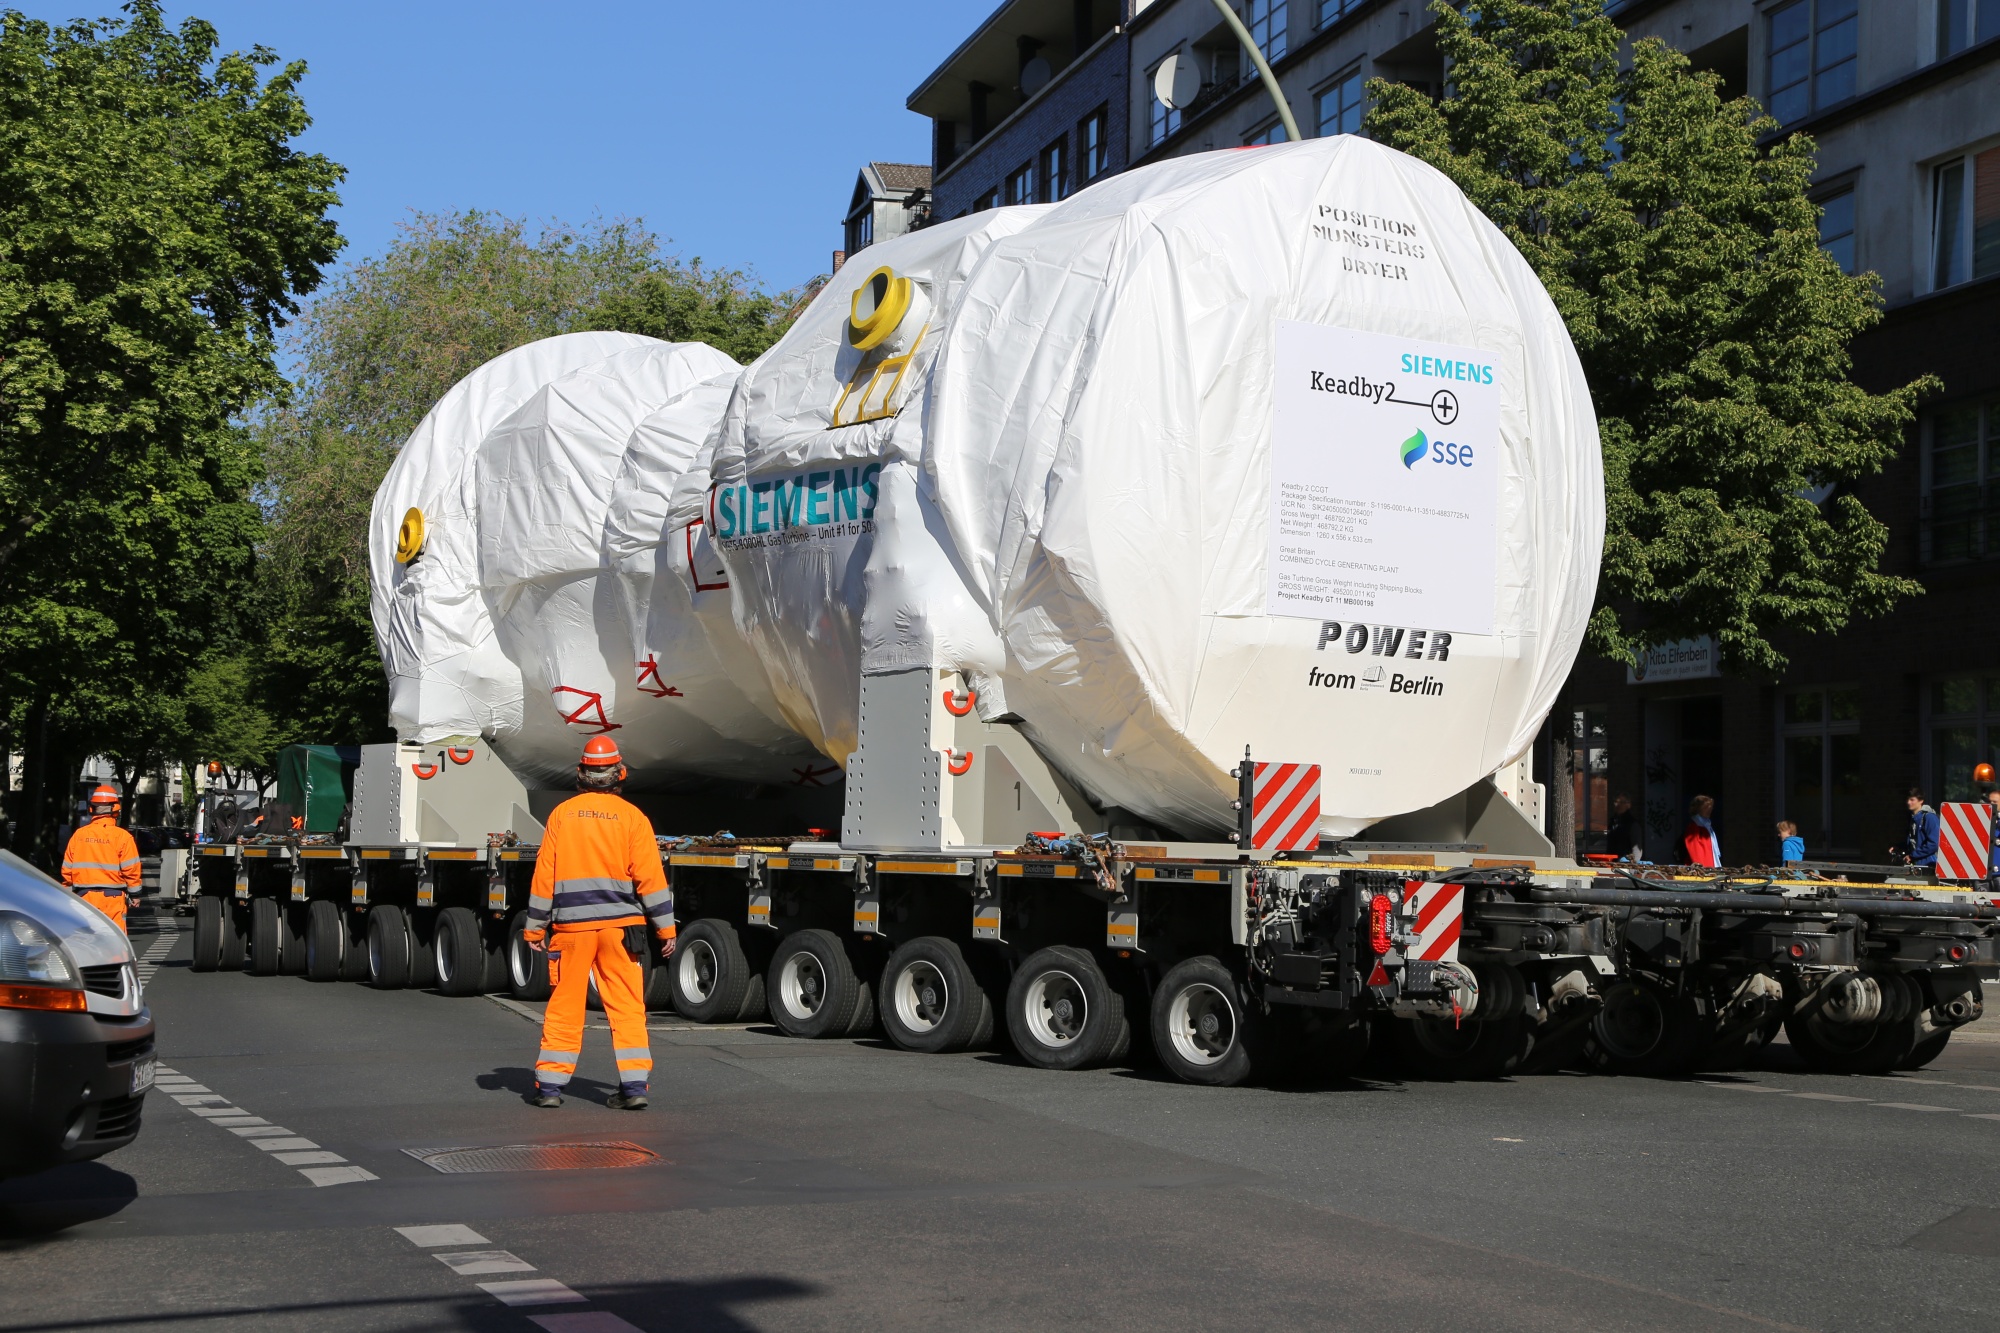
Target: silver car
<point x="76" y="1039"/>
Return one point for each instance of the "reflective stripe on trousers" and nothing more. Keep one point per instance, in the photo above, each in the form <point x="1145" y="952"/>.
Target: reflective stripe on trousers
<point x="573" y="956"/>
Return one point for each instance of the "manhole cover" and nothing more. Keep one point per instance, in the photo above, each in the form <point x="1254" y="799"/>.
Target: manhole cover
<point x="535" y="1157"/>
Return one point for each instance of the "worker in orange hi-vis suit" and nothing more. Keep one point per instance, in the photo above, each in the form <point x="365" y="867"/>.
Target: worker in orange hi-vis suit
<point x="102" y="862"/>
<point x="598" y="881"/>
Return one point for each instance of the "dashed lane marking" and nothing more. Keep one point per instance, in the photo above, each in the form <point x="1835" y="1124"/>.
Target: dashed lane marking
<point x="156" y="953"/>
<point x="516" y="1292"/>
<point x="1836" y="1097"/>
<point x="1914" y="1106"/>
<point x="583" y="1321"/>
<point x="452" y="1233"/>
<point x="1826" y="1097"/>
<point x="315" y="1163"/>
<point x="532" y="1291"/>
<point x="474" y="1263"/>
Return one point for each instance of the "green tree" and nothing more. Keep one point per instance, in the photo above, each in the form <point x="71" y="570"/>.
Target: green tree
<point x="376" y="350"/>
<point x="1676" y="238"/>
<point x="157" y="226"/>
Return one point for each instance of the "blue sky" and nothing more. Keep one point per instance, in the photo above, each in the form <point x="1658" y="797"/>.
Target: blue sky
<point x="735" y="129"/>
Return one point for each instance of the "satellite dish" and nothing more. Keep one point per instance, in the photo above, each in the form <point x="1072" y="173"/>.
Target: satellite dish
<point x="1176" y="82"/>
<point x="1035" y="76"/>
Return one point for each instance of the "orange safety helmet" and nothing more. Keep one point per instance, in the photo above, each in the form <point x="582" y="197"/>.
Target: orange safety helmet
<point x="105" y="796"/>
<point x="600" y="752"/>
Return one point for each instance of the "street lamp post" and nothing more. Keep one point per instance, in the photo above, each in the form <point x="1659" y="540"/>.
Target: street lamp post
<point x="1263" y="68"/>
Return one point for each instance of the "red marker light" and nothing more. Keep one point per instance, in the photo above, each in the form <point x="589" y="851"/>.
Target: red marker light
<point x="1379" y="908"/>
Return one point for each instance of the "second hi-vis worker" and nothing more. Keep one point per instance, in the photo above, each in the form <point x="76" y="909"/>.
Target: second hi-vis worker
<point x="598" y="879"/>
<point x="102" y="861"/>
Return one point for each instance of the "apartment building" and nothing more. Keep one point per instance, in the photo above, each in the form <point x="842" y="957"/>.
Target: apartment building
<point x="1903" y="99"/>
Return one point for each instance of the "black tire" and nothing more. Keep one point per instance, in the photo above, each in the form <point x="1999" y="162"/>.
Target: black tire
<point x="264" y="936"/>
<point x="388" y="947"/>
<point x="1437" y="1048"/>
<point x="1062" y="1013"/>
<point x="209" y="911"/>
<point x="527" y="969"/>
<point x="1201" y="1030"/>
<point x="812" y="987"/>
<point x="235" y="937"/>
<point x="708" y="979"/>
<point x="326" y="941"/>
<point x="495" y="939"/>
<point x="1863" y="1048"/>
<point x="1646" y="1030"/>
<point x="422" y="925"/>
<point x="458" y="954"/>
<point x="354" y="954"/>
<point x="1928" y="1048"/>
<point x="292" y="922"/>
<point x="930" y="1000"/>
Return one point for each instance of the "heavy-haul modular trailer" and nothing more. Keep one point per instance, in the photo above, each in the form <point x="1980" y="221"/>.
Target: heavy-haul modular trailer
<point x="1223" y="965"/>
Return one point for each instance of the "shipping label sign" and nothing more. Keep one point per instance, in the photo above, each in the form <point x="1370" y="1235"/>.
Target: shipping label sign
<point x="1385" y="480"/>
<point x="806" y="506"/>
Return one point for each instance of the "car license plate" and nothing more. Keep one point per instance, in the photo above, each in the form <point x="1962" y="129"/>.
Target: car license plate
<point x="142" y="1073"/>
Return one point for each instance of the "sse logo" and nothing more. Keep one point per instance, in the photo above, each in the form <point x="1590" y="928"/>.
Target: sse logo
<point x="1451" y="455"/>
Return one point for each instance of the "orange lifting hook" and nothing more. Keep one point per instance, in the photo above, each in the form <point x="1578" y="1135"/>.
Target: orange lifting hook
<point x="424" y="772"/>
<point x="460" y="756"/>
<point x="956" y="709"/>
<point x="959" y="768"/>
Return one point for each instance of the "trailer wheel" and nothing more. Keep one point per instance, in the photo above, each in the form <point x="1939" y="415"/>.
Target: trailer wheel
<point x="708" y="978"/>
<point x="1928" y="1048"/>
<point x="354" y="951"/>
<point x="1863" y="1048"/>
<point x="235" y="937"/>
<point x="292" y="924"/>
<point x="1436" y="1048"/>
<point x="1062" y="1013"/>
<point x="494" y="940"/>
<point x="326" y="941"/>
<point x="931" y="1002"/>
<point x="812" y="987"/>
<point x="1645" y="1029"/>
<point x="388" y="947"/>
<point x="208" y="914"/>
<point x="458" y="953"/>
<point x="422" y="926"/>
<point x="527" y="969"/>
<point x="264" y="941"/>
<point x="1201" y="1031"/>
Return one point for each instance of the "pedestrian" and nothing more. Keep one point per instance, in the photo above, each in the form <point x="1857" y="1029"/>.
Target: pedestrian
<point x="1993" y="844"/>
<point x="1791" y="847"/>
<point x="1920" y="844"/>
<point x="1704" y="848"/>
<point x="101" y="861"/>
<point x="1621" y="835"/>
<point x="598" y="880"/>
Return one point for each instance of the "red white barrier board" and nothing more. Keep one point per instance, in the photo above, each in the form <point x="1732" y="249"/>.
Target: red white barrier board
<point x="1284" y="807"/>
<point x="1965" y="840"/>
<point x="1440" y="914"/>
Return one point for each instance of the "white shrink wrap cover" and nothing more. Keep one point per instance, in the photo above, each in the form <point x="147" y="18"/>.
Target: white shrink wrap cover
<point x="706" y="707"/>
<point x="446" y="675"/>
<point x="824" y="526"/>
<point x="544" y="478"/>
<point x="1283" y="448"/>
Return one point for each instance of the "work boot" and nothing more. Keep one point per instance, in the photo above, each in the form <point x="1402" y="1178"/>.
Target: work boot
<point x="545" y="1097"/>
<point x="627" y="1101"/>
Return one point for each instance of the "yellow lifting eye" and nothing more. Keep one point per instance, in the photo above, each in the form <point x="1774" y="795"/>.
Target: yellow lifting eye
<point x="879" y="306"/>
<point x="410" y="537"/>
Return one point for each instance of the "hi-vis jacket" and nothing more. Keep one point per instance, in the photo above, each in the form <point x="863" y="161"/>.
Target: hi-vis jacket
<point x="598" y="866"/>
<point x="101" y="858"/>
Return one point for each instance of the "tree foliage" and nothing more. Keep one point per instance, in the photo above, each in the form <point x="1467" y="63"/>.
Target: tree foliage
<point x="375" y="351"/>
<point x="157" y="226"/>
<point x="1675" y="235"/>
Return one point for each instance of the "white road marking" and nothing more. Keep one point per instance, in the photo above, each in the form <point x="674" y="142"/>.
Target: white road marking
<point x="1912" y="1106"/>
<point x="1742" y="1087"/>
<point x="471" y="1263"/>
<point x="218" y="1112"/>
<point x="263" y="1131"/>
<point x="584" y="1321"/>
<point x="1977" y="1115"/>
<point x="532" y="1291"/>
<point x="316" y="1164"/>
<point x="448" y="1233"/>
<point x="337" y="1175"/>
<point x="1826" y="1097"/>
<point x="308" y="1158"/>
<point x="293" y="1144"/>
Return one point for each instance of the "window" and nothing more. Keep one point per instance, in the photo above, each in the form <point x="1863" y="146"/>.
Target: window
<point x="1094" y="144"/>
<point x="1021" y="184"/>
<point x="1590" y="778"/>
<point x="1819" y="769"/>
<point x="1964" y="730"/>
<point x="1055" y="170"/>
<point x="1836" y="228"/>
<point x="1266" y="21"/>
<point x="991" y="199"/>
<point x="1965" y="218"/>
<point x="1960" y="23"/>
<point x="1331" y="10"/>
<point x="861" y="229"/>
<point x="1338" y="108"/>
<point x="1166" y="121"/>
<point x="1961" y="461"/>
<point x="1811" y="59"/>
<point x="1270" y="134"/>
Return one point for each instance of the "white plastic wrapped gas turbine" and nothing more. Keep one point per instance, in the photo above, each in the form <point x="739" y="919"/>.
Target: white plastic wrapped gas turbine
<point x="1284" y="449"/>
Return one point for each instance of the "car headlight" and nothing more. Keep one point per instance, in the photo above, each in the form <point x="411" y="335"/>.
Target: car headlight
<point x="35" y="973"/>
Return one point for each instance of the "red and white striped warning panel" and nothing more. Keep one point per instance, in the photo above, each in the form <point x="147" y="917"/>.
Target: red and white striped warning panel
<point x="1440" y="915"/>
<point x="1965" y="840"/>
<point x="1284" y="807"/>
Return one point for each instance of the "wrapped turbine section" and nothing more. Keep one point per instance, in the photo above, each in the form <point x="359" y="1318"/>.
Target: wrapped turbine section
<point x="1285" y="449"/>
<point x="447" y="677"/>
<point x="544" y="483"/>
<point x="831" y="546"/>
<point x="706" y="706"/>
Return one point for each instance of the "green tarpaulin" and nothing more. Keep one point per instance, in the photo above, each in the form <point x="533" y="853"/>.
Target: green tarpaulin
<point x="316" y="781"/>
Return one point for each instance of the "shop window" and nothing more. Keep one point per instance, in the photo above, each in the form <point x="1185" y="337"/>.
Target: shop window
<point x="1810" y="61"/>
<point x="1819" y="769"/>
<point x="1590" y="778"/>
<point x="1964" y="726"/>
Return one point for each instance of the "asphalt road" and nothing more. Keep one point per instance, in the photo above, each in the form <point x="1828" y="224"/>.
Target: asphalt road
<point x="847" y="1184"/>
